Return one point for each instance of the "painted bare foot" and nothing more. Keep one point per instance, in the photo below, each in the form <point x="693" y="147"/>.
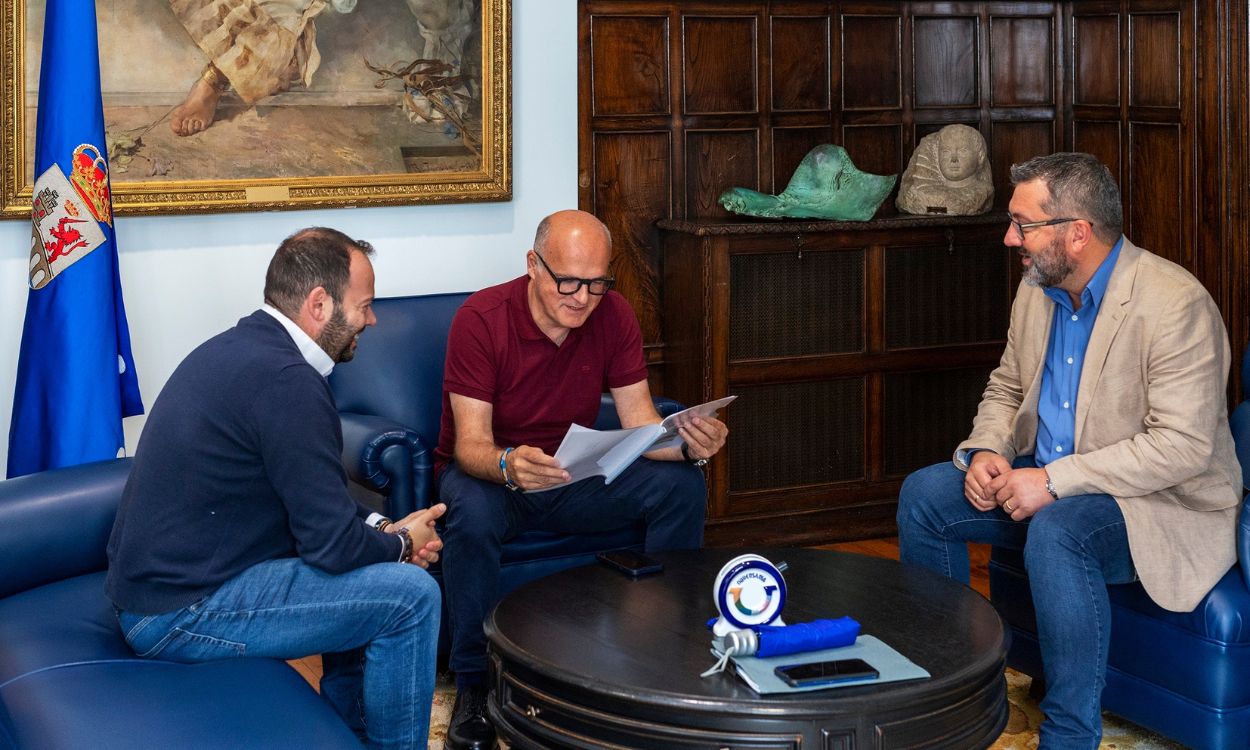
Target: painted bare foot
<point x="197" y="110"/>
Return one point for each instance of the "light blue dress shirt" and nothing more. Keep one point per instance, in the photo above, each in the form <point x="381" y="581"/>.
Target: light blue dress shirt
<point x="1065" y="357"/>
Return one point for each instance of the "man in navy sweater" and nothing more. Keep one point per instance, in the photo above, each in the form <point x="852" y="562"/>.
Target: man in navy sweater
<point x="236" y="535"/>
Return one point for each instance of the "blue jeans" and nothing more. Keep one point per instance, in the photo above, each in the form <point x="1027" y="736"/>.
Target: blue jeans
<point x="376" y="626"/>
<point x="670" y="497"/>
<point x="1073" y="548"/>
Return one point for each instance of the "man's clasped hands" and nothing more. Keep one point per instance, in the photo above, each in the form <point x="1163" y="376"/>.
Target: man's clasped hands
<point x="991" y="482"/>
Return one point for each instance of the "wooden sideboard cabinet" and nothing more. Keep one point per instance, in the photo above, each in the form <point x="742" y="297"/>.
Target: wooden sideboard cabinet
<point x="858" y="352"/>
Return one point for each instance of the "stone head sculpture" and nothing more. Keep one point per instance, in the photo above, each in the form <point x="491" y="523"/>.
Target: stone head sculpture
<point x="949" y="173"/>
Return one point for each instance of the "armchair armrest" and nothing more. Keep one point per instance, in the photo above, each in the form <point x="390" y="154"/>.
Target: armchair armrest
<point x="56" y="524"/>
<point x="608" y="419"/>
<point x="390" y="458"/>
<point x="667" y="407"/>
<point x="1243" y="542"/>
<point x="1239" y="424"/>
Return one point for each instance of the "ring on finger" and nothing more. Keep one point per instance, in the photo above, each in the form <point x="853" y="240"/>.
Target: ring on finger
<point x="1008" y="507"/>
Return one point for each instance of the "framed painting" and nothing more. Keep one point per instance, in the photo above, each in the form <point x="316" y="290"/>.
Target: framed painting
<point x="238" y="105"/>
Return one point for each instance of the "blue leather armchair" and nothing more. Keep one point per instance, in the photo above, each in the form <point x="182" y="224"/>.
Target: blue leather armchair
<point x="390" y="404"/>
<point x="1185" y="675"/>
<point x="67" y="678"/>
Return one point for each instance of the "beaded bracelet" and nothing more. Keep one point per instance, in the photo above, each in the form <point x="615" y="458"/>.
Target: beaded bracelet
<point x="405" y="541"/>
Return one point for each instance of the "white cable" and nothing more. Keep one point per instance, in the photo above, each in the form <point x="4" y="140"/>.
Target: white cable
<point x="718" y="667"/>
<point x="733" y="643"/>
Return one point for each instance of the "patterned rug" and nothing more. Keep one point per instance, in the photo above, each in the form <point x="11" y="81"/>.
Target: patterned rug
<point x="1024" y="719"/>
<point x="440" y="712"/>
<point x="1021" y="732"/>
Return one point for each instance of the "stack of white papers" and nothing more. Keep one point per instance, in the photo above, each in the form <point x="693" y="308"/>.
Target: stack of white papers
<point x="586" y="453"/>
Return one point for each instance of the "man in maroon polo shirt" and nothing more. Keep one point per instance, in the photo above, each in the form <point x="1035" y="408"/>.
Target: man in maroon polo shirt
<point x="525" y="359"/>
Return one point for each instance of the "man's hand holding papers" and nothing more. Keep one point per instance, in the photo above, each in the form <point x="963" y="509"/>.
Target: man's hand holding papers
<point x="586" y="453"/>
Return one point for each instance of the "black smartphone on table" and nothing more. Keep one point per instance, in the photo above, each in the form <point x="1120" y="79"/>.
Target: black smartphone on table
<point x="825" y="672"/>
<point x="631" y="563"/>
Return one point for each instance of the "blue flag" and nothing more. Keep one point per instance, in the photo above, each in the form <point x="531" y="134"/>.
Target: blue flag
<point x="75" y="374"/>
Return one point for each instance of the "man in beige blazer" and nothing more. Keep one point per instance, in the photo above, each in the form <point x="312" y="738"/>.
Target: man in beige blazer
<point x="1101" y="445"/>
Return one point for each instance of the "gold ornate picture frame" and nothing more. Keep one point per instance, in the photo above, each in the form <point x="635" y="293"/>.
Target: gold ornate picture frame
<point x="392" y="103"/>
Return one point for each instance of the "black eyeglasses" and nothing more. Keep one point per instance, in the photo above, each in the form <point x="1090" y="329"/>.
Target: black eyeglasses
<point x="1022" y="228"/>
<point x="572" y="284"/>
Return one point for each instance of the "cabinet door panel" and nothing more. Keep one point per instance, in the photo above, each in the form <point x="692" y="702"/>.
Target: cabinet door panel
<point x="715" y="162"/>
<point x="936" y="298"/>
<point x="1016" y="45"/>
<point x="872" y="61"/>
<point x="1096" y="59"/>
<point x="796" y="303"/>
<point x="629" y="66"/>
<point x="946" y="62"/>
<point x="1154" y="60"/>
<point x="719" y="56"/>
<point x="800" y="69"/>
<point x="800" y="434"/>
<point x="1156" y="190"/>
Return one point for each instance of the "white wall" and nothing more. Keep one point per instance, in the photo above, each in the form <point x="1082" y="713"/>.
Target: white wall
<point x="186" y="278"/>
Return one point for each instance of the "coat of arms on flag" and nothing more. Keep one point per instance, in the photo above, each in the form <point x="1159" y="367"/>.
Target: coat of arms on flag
<point x="65" y="214"/>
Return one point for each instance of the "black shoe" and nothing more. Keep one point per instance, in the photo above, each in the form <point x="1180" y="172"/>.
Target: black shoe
<point x="470" y="728"/>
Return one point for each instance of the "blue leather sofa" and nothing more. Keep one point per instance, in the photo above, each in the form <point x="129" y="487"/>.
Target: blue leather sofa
<point x="1184" y="675"/>
<point x="390" y="399"/>
<point x="67" y="678"/>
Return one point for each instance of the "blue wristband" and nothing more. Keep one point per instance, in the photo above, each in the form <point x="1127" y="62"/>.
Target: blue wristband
<point x="503" y="467"/>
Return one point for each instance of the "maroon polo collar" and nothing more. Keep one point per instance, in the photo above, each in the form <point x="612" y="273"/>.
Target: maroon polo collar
<point x="520" y="302"/>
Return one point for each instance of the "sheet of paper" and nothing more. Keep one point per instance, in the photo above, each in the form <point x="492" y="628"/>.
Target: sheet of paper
<point x="586" y="453"/>
<point x="670" y="437"/>
<point x="581" y="448"/>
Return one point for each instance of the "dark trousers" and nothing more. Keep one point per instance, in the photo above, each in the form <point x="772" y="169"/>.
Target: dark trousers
<point x="670" y="497"/>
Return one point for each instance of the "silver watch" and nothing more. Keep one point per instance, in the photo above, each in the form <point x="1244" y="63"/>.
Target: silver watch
<point x="1050" y="487"/>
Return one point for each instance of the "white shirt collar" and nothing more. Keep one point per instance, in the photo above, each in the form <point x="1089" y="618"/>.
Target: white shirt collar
<point x="312" y="351"/>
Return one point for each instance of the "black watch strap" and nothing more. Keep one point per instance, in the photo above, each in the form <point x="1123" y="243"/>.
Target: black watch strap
<point x="685" y="453"/>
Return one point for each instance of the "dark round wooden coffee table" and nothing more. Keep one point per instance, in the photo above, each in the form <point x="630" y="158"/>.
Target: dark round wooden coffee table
<point x="588" y="658"/>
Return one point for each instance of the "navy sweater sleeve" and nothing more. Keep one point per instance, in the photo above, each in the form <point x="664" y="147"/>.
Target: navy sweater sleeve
<point x="297" y="429"/>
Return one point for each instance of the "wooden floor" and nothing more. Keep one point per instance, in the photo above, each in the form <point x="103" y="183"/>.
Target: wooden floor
<point x="979" y="554"/>
<point x="310" y="667"/>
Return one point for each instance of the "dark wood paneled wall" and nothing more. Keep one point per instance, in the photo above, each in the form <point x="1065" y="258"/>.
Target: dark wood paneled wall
<point x="680" y="100"/>
<point x="855" y="360"/>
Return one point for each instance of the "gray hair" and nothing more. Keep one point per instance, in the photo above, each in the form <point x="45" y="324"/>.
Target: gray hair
<point x="310" y="258"/>
<point x="1080" y="187"/>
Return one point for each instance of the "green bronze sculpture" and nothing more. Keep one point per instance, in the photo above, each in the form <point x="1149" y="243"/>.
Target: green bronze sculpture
<point x="826" y="185"/>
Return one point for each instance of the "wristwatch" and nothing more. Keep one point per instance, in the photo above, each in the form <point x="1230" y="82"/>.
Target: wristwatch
<point x="685" y="453"/>
<point x="1050" y="487"/>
